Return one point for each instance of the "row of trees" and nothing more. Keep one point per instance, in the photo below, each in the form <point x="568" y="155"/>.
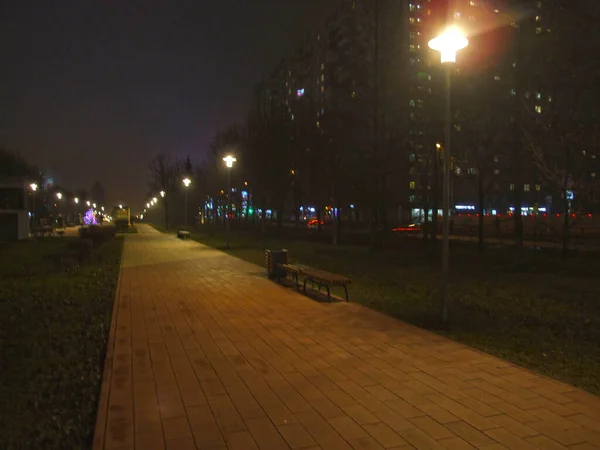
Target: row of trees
<point x="530" y="115"/>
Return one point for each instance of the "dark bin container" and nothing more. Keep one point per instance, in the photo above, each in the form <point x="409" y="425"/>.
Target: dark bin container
<point x="272" y="258"/>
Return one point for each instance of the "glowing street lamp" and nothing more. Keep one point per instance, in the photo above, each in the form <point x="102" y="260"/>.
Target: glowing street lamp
<point x="154" y="200"/>
<point x="88" y="203"/>
<point x="102" y="208"/>
<point x="147" y="205"/>
<point x="162" y="194"/>
<point x="448" y="43"/>
<point x="120" y="206"/>
<point x="33" y="187"/>
<point x="59" y="195"/>
<point x="186" y="182"/>
<point x="76" y="200"/>
<point x="229" y="160"/>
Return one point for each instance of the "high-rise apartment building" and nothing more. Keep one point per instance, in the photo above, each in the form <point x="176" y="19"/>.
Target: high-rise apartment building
<point x="372" y="60"/>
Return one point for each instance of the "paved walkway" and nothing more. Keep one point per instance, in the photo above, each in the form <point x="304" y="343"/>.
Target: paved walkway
<point x="205" y="353"/>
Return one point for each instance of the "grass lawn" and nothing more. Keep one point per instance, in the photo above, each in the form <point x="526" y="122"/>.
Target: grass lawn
<point x="544" y="315"/>
<point x="53" y="330"/>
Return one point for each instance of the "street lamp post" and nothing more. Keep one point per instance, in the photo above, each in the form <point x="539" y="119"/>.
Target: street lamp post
<point x="33" y="187"/>
<point x="447" y="44"/>
<point x="186" y="182"/>
<point x="229" y="160"/>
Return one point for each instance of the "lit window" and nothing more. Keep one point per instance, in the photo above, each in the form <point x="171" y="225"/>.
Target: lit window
<point x="353" y="94"/>
<point x="538" y="30"/>
<point x="513" y="91"/>
<point x="411" y="7"/>
<point x="512" y="186"/>
<point x="538" y="18"/>
<point x="526" y="188"/>
<point x="538" y="109"/>
<point x="411" y="103"/>
<point x="322" y="66"/>
<point x="538" y="187"/>
<point x="322" y="77"/>
<point x="495" y="159"/>
<point x="472" y="3"/>
<point x="412" y="185"/>
<point x="318" y="124"/>
<point x="549" y="98"/>
<point x="457" y="15"/>
<point x="496" y="171"/>
<point x="412" y="48"/>
<point x="496" y="11"/>
<point x="411" y="35"/>
<point x="411" y="20"/>
<point x="539" y="4"/>
<point x="497" y="77"/>
<point x="292" y="117"/>
<point x="593" y="174"/>
<point x="538" y="95"/>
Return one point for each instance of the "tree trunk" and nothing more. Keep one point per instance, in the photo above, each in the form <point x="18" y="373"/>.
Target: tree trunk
<point x="481" y="198"/>
<point x="319" y="219"/>
<point x="517" y="148"/>
<point x="435" y="195"/>
<point x="166" y="214"/>
<point x="565" y="231"/>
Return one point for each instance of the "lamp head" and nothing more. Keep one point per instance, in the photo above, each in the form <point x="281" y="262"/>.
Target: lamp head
<point x="187" y="182"/>
<point x="59" y="195"/>
<point x="448" y="43"/>
<point x="229" y="160"/>
<point x="33" y="187"/>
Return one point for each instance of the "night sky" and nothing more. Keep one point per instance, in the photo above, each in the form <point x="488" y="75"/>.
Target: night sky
<point x="93" y="90"/>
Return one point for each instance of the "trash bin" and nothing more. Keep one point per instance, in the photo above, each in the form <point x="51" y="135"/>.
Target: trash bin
<point x="272" y="258"/>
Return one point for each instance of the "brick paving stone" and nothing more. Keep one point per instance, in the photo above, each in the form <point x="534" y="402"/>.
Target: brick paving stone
<point x="205" y="353"/>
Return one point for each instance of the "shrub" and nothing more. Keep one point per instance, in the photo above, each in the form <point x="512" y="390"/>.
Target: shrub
<point x="98" y="235"/>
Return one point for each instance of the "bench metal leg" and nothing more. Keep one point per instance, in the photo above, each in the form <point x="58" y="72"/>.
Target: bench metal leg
<point x="346" y="290"/>
<point x="305" y="280"/>
<point x="328" y="293"/>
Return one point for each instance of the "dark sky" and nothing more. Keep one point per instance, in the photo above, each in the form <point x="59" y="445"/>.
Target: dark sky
<point x="94" y="89"/>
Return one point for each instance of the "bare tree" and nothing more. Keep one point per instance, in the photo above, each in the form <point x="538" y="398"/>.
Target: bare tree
<point x="163" y="177"/>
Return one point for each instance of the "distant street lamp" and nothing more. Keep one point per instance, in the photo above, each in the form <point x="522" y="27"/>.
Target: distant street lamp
<point x="447" y="44"/>
<point x="147" y="205"/>
<point x="33" y="187"/>
<point x="162" y="194"/>
<point x="88" y="203"/>
<point x="229" y="160"/>
<point x="59" y="195"/>
<point x="186" y="182"/>
<point x="120" y="206"/>
<point x="76" y="200"/>
<point x="94" y="205"/>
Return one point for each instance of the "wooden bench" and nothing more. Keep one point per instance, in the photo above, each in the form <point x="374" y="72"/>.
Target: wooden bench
<point x="183" y="234"/>
<point x="320" y="277"/>
<point x="293" y="270"/>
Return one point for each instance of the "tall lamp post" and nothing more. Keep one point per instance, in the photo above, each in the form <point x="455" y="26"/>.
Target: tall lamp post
<point x="447" y="44"/>
<point x="229" y="160"/>
<point x="186" y="182"/>
<point x="33" y="187"/>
